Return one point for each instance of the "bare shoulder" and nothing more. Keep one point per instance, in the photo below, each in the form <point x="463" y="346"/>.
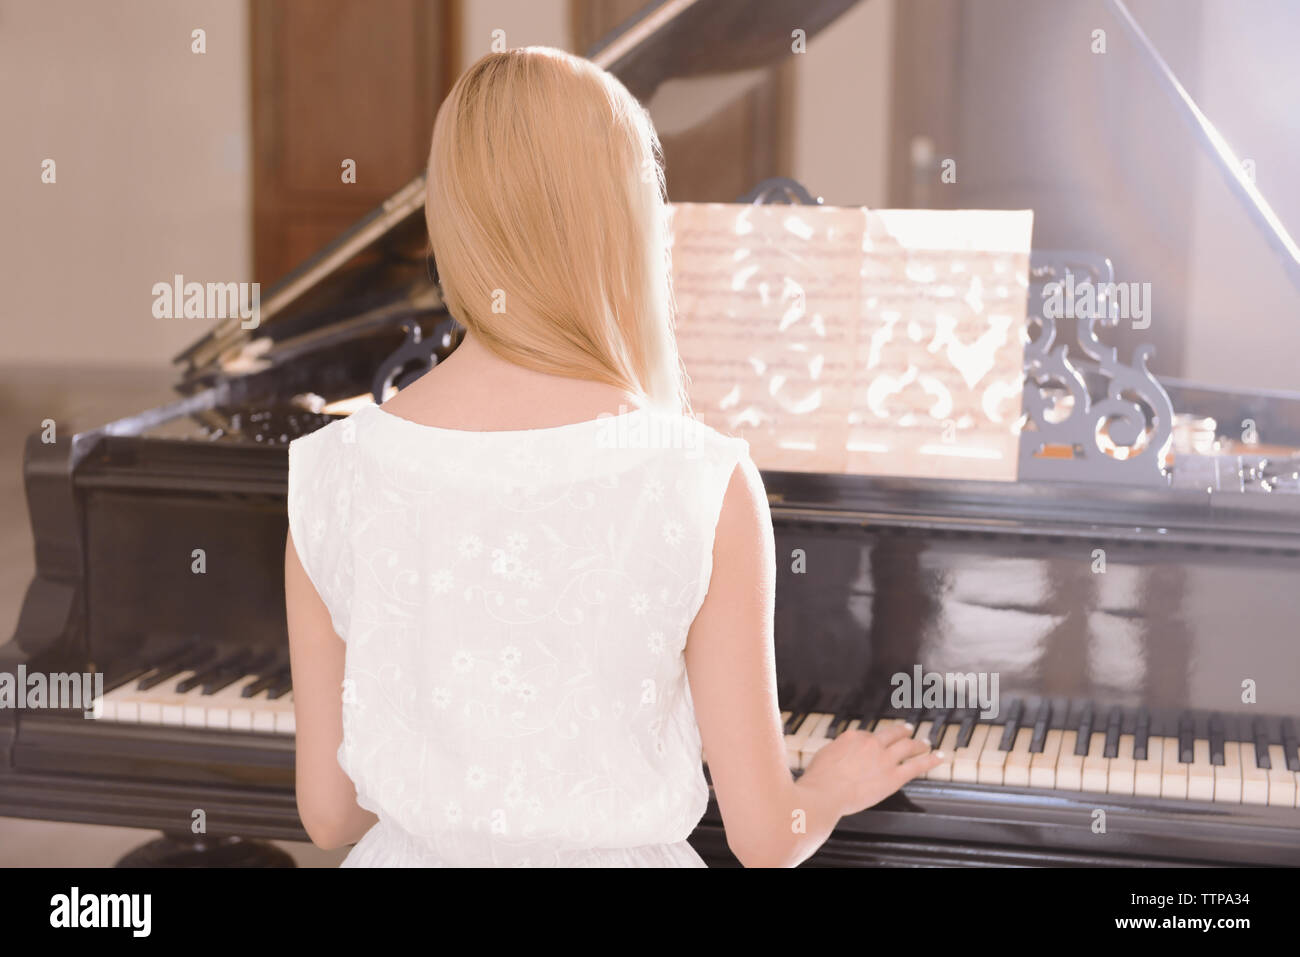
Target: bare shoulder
<point x="745" y="520"/>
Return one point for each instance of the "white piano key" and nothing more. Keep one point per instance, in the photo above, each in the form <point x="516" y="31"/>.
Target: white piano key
<point x="817" y="740"/>
<point x="923" y="731"/>
<point x="1200" y="773"/>
<point x="1121" y="779"/>
<point x="225" y="702"/>
<point x="1095" y="774"/>
<point x="1173" y="773"/>
<point x="284" y="715"/>
<point x="153" y="701"/>
<point x="1042" y="766"/>
<point x="1148" y="772"/>
<point x="195" y="708"/>
<point x="1227" y="777"/>
<point x="242" y="711"/>
<point x="1281" y="781"/>
<point x="947" y="744"/>
<point x="1069" y="766"/>
<point x="992" y="762"/>
<point x="121" y="704"/>
<point x="256" y="713"/>
<point x="175" y="703"/>
<point x="794" y="743"/>
<point x="1254" y="779"/>
<point x="264" y="715"/>
<point x="965" y="761"/>
<point x="1016" y="771"/>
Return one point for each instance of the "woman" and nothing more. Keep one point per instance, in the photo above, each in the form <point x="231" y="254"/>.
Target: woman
<point x="539" y="584"/>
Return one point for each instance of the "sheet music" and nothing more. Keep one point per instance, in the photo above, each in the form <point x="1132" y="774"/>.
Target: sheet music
<point x="885" y="342"/>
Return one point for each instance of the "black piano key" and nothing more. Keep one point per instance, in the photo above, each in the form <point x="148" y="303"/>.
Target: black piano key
<point x="843" y="718"/>
<point x="1141" y="735"/>
<point x="846" y="710"/>
<point x="938" y="727"/>
<point x="126" y="673"/>
<point x="157" y="676"/>
<point x="281" y="687"/>
<point x="158" y="660"/>
<point x="812" y="702"/>
<point x="164" y="673"/>
<point x="193" y="681"/>
<point x="1290" y="745"/>
<point x="1216" y="740"/>
<point x="1014" y="713"/>
<point x="222" y="680"/>
<point x="263" y="683"/>
<point x="792" y="712"/>
<point x="1084" y="728"/>
<point x="249" y="666"/>
<point x="1114" y="723"/>
<point x="871" y="713"/>
<point x="211" y="670"/>
<point x="1260" y="735"/>
<point x="967" y="728"/>
<point x="1186" y="738"/>
<point x="913" y="717"/>
<point x="801" y="708"/>
<point x="1042" y="724"/>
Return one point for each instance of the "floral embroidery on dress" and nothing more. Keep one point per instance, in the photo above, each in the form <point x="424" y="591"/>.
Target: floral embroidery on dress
<point x="515" y="608"/>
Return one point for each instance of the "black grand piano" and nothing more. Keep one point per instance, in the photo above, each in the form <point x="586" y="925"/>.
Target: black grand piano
<point x="1139" y="611"/>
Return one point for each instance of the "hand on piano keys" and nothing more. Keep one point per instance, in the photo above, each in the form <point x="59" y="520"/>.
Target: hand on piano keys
<point x="1023" y="749"/>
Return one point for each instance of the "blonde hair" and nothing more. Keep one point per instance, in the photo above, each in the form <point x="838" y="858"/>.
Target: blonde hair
<point x="546" y="210"/>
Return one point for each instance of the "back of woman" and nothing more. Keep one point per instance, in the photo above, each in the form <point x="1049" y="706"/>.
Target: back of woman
<point x="516" y="606"/>
<point x="525" y="593"/>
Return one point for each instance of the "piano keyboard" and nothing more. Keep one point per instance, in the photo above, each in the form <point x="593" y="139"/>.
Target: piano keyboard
<point x="1022" y="751"/>
<point x="1027" y="752"/>
<point x="221" y="695"/>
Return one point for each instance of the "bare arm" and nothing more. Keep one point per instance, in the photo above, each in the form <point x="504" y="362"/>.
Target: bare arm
<point x="771" y="819"/>
<point x="327" y="799"/>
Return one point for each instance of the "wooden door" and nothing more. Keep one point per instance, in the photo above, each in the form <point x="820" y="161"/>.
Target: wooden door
<point x="335" y="82"/>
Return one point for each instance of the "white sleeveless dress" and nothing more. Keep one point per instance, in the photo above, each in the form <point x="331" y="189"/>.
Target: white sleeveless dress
<point x="515" y="607"/>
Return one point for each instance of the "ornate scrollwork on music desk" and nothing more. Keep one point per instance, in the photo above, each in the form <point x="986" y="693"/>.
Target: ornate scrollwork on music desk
<point x="1088" y="416"/>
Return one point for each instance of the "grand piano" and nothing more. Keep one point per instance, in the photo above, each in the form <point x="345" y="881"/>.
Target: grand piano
<point x="1139" y="610"/>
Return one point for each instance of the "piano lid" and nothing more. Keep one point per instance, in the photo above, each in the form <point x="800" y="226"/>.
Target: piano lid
<point x="388" y="247"/>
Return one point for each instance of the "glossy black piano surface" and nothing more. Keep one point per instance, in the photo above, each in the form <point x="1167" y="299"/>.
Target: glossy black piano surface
<point x="1197" y="598"/>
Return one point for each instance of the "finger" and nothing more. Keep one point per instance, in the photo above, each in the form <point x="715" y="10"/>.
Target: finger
<point x="895" y="732"/>
<point x="916" y="766"/>
<point x="902" y="750"/>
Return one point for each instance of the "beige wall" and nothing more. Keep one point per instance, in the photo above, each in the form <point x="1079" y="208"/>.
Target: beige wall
<point x="841" y="147"/>
<point x="1244" y="325"/>
<point x="525" y="22"/>
<point x="151" y="144"/>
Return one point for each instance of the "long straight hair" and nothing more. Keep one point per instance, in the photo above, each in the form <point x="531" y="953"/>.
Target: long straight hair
<point x="547" y="214"/>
